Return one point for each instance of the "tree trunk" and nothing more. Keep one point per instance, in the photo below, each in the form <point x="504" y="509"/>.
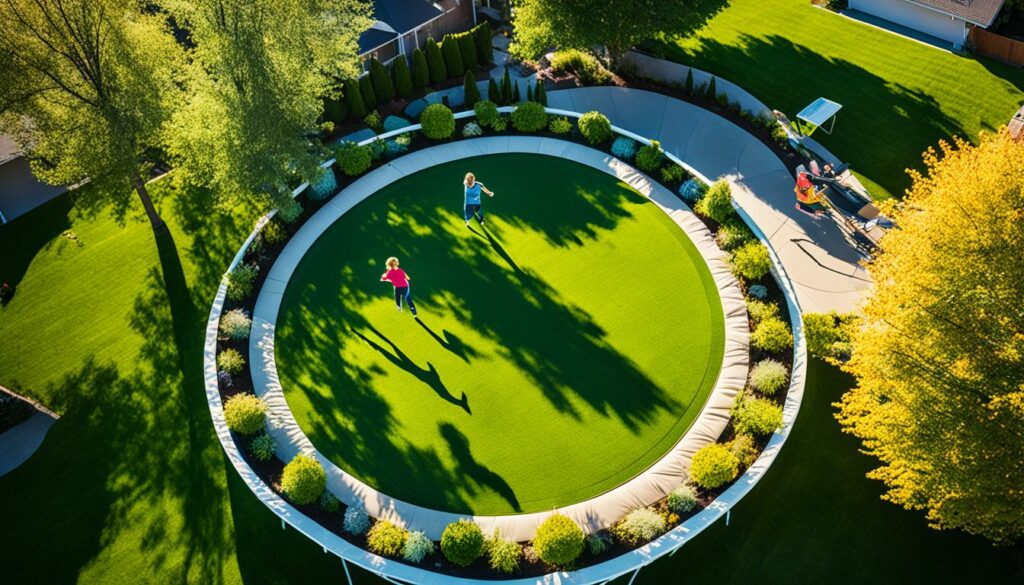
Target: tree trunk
<point x="154" y="218"/>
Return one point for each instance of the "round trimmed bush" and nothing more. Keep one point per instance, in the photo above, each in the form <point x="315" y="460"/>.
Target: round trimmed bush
<point x="640" y="526"/>
<point x="558" y="540"/>
<point x="624" y="148"/>
<point x="245" y="414"/>
<point x="595" y="127"/>
<point x="682" y="499"/>
<point x="732" y="235"/>
<point x="672" y="174"/>
<point x="758" y="291"/>
<point x="751" y="261"/>
<point x="716" y="204"/>
<point x="757" y="416"/>
<point x="499" y="125"/>
<point x="648" y="158"/>
<point x="356" y="520"/>
<point x="262" y="447"/>
<point x="353" y="159"/>
<point x="417" y="547"/>
<point x="288" y="209"/>
<point x="769" y="376"/>
<point x="771" y="335"/>
<point x="329" y="502"/>
<point x="713" y="466"/>
<point x="761" y="310"/>
<point x="486" y="112"/>
<point x="240" y="281"/>
<point x="744" y="448"/>
<point x="303" y="480"/>
<point x="438" y="122"/>
<point x="503" y="554"/>
<point x="529" y="117"/>
<point x="230" y="361"/>
<point x="386" y="538"/>
<point x="462" y="542"/>
<point x="235" y="324"/>
<point x="560" y="125"/>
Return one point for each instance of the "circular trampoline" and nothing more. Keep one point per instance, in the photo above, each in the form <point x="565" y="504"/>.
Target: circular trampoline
<point x="560" y="350"/>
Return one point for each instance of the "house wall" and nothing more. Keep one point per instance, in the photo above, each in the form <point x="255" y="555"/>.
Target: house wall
<point x="917" y="17"/>
<point x="383" y="54"/>
<point x="20" y="191"/>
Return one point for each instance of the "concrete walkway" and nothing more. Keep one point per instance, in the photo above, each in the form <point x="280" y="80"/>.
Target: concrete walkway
<point x="19" y="443"/>
<point x="822" y="262"/>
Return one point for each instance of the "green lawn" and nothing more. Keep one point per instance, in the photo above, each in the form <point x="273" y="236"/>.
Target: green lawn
<point x="899" y="96"/>
<point x="581" y="321"/>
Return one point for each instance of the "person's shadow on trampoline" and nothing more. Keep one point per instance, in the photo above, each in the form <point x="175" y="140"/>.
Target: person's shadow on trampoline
<point x="450" y="342"/>
<point x="429" y="376"/>
<point x="466" y="465"/>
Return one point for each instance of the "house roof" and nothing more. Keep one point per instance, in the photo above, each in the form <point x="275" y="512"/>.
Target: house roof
<point x="405" y="15"/>
<point x="374" y="37"/>
<point x="980" y="12"/>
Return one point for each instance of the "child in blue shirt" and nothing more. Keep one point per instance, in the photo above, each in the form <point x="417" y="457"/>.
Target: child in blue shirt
<point x="472" y="200"/>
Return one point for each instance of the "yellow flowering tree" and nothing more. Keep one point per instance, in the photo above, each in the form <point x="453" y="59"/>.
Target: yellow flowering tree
<point x="939" y="354"/>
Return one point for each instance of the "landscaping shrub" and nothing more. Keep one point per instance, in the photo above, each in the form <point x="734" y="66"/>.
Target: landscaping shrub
<point x="688" y="86"/>
<point x="682" y="499"/>
<point x="288" y="209"/>
<point x="582" y="64"/>
<point x="529" y="117"/>
<point x="328" y="502"/>
<point x="640" y="526"/>
<point x="648" y="158"/>
<point x="756" y="416"/>
<point x="828" y="335"/>
<point x="435" y="62"/>
<point x="503" y="554"/>
<point x="235" y="324"/>
<point x="595" y="127"/>
<point x="272" y="234"/>
<point x="462" y="542"/>
<point x="356" y="521"/>
<point x="366" y="90"/>
<point x="672" y="174"/>
<point x="397" y="145"/>
<point x="493" y="93"/>
<point x="438" y="122"/>
<point x="716" y="204"/>
<point x="372" y="120"/>
<point x="469" y="89"/>
<point x="230" y="361"/>
<point x="760" y="310"/>
<point x="506" y="87"/>
<point x="751" y="260"/>
<point x="744" y="448"/>
<point x="482" y="39"/>
<point x="354" y="98"/>
<point x="598" y="542"/>
<point x="472" y="129"/>
<point x="516" y="96"/>
<point x="540" y="95"/>
<point x="733" y="234"/>
<point x="353" y="159"/>
<point x="692" y="190"/>
<point x="420" y="71"/>
<point x="303" y="480"/>
<point x="624" y="148"/>
<point x="402" y="78"/>
<point x="769" y="376"/>
<point x="262" y="447"/>
<point x="240" y="281"/>
<point x="417" y="547"/>
<point x="758" y="291"/>
<point x="771" y="335"/>
<point x="224" y="379"/>
<point x="386" y="538"/>
<point x="452" y="56"/>
<point x="392" y="123"/>
<point x="713" y="466"/>
<point x="377" y="148"/>
<point x="779" y="135"/>
<point x="712" y="90"/>
<point x="558" y="540"/>
<point x="245" y="414"/>
<point x="560" y="125"/>
<point x="467" y="49"/>
<point x="500" y="124"/>
<point x="381" y="81"/>
<point x="323" y="186"/>
<point x="335" y="110"/>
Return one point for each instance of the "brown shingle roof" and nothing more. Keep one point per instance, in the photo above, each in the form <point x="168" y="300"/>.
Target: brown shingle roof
<point x="979" y="12"/>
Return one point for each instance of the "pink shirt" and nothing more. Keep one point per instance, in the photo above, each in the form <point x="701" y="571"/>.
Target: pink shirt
<point x="396" y="277"/>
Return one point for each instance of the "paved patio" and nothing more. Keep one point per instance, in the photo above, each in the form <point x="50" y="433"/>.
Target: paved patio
<point x="822" y="262"/>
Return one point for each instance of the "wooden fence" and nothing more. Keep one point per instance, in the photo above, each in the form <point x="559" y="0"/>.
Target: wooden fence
<point x="997" y="46"/>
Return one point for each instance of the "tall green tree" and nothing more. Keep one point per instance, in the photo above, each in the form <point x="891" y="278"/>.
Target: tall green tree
<point x="260" y="69"/>
<point x="467" y="49"/>
<point x="87" y="86"/>
<point x="470" y="90"/>
<point x="435" y="62"/>
<point x="493" y="93"/>
<point x="452" y="56"/>
<point x="369" y="95"/>
<point x="403" y="80"/>
<point x="582" y="24"/>
<point x="420" y="70"/>
<point x="482" y="38"/>
<point x="354" y="98"/>
<point x="939" y="353"/>
<point x="381" y="80"/>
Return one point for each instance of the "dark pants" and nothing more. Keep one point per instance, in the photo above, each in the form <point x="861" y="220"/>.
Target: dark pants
<point x="403" y="292"/>
<point x="475" y="209"/>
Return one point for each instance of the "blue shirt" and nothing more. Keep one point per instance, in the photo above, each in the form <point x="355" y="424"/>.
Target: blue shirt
<point x="473" y="194"/>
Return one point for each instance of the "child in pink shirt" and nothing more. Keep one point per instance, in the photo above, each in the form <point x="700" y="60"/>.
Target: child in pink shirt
<point x="400" y="280"/>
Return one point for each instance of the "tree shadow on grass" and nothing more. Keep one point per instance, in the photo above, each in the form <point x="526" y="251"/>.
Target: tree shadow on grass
<point x="469" y="468"/>
<point x="23" y="239"/>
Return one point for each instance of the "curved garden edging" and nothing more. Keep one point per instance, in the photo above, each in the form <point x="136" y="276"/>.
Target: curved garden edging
<point x="598" y="573"/>
<point x="646" y="488"/>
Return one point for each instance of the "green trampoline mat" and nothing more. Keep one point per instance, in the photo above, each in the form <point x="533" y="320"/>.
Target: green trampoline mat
<point x="560" y="351"/>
